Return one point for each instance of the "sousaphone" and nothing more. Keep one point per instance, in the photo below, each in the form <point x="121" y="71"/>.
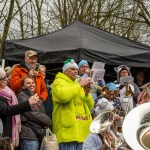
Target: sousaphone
<point x="101" y="124"/>
<point x="136" y="127"/>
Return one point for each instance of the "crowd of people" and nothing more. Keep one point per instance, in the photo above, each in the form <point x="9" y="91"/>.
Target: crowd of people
<point x="29" y="105"/>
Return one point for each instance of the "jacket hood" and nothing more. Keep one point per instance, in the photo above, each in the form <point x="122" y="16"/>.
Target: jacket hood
<point x="64" y="77"/>
<point x="120" y="68"/>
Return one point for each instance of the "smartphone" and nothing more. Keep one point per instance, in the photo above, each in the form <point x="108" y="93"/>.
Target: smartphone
<point x="37" y="67"/>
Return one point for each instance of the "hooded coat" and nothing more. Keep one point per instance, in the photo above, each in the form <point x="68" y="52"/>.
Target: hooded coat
<point x="71" y="114"/>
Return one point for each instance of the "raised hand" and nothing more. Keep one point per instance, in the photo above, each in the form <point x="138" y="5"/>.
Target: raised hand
<point x="34" y="99"/>
<point x="33" y="72"/>
<point x="85" y="81"/>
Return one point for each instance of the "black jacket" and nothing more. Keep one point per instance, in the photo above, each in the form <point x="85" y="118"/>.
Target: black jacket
<point x="32" y="119"/>
<point x="6" y="113"/>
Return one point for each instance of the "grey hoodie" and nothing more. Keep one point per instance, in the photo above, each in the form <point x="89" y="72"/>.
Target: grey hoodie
<point x="120" y="68"/>
<point x="136" y="88"/>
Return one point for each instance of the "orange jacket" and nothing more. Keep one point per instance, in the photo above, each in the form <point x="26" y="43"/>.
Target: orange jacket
<point x="15" y="81"/>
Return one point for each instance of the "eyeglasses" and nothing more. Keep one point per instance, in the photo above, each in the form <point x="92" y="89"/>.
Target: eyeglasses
<point x="4" y="78"/>
<point x="84" y="66"/>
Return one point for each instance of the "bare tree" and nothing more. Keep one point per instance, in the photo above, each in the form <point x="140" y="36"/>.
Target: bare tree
<point x="144" y="12"/>
<point x="116" y="16"/>
<point x="29" y="18"/>
<point x="7" y="25"/>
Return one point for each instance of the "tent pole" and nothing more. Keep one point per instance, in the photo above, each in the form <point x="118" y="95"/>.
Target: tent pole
<point x="3" y="63"/>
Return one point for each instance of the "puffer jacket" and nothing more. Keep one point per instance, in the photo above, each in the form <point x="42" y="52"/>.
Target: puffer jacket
<point x="32" y="119"/>
<point x="21" y="71"/>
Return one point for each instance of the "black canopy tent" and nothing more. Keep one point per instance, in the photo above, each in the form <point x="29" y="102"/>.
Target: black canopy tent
<point x="80" y="41"/>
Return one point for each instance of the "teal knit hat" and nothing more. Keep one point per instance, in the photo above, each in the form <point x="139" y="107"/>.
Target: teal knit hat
<point x="83" y="62"/>
<point x="111" y="86"/>
<point x="68" y="63"/>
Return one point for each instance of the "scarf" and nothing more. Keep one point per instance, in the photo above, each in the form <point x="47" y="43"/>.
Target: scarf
<point x="28" y="66"/>
<point x="11" y="99"/>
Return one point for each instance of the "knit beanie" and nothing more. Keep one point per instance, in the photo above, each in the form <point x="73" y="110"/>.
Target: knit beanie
<point x="2" y="73"/>
<point x="103" y="105"/>
<point x="68" y="63"/>
<point x="111" y="86"/>
<point x="83" y="62"/>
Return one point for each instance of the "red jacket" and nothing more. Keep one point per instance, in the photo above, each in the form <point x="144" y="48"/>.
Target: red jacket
<point x="15" y="82"/>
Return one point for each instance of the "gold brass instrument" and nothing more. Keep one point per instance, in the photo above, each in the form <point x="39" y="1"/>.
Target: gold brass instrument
<point x="137" y="134"/>
<point x="102" y="90"/>
<point x="128" y="94"/>
<point x="101" y="124"/>
<point x="94" y="87"/>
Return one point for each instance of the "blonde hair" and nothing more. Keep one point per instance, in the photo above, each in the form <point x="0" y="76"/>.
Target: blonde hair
<point x="42" y="66"/>
<point x="8" y="70"/>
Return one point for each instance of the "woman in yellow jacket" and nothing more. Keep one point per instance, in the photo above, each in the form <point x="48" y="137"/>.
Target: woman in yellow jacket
<point x="72" y="105"/>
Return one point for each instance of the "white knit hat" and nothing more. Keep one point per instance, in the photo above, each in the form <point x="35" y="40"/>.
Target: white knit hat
<point x="68" y="64"/>
<point x="2" y="73"/>
<point x="103" y="105"/>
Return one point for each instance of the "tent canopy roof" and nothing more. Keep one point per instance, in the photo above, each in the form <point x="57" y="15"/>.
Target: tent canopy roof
<point x="80" y="41"/>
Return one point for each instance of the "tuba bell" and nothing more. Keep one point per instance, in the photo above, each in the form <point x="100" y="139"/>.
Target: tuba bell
<point x="102" y="122"/>
<point x="136" y="127"/>
<point x="101" y="125"/>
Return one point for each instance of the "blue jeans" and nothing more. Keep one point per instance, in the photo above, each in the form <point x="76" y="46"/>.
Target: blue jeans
<point x="30" y="145"/>
<point x="70" y="146"/>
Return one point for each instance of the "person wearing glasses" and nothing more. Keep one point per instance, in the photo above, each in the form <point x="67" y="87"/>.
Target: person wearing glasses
<point x="10" y="110"/>
<point x="85" y="71"/>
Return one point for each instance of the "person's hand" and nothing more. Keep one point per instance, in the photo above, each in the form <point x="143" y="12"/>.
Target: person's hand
<point x="117" y="117"/>
<point x="89" y="72"/>
<point x="85" y="81"/>
<point x="34" y="99"/>
<point x="33" y="72"/>
<point x="103" y="147"/>
<point x="51" y="85"/>
<point x="11" y="146"/>
<point x="87" y="89"/>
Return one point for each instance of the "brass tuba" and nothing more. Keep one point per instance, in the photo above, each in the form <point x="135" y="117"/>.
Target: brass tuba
<point x="101" y="124"/>
<point x="136" y="127"/>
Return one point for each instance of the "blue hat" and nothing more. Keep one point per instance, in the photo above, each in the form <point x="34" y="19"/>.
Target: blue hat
<point x="83" y="62"/>
<point x="111" y="86"/>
